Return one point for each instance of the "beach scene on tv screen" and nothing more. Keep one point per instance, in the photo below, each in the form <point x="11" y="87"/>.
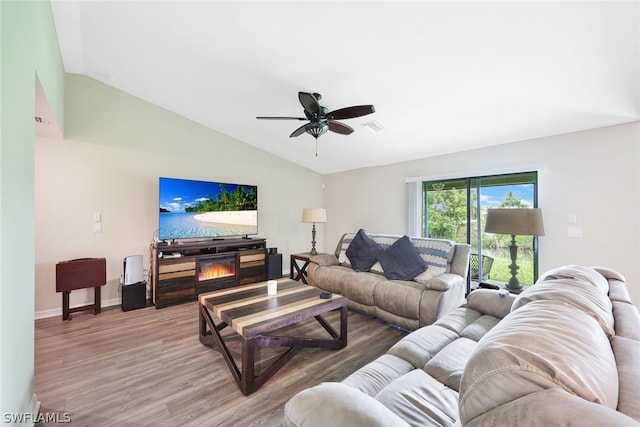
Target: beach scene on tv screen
<point x="199" y="209"/>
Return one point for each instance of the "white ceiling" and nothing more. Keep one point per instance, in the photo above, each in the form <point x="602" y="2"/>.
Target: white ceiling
<point x="443" y="76"/>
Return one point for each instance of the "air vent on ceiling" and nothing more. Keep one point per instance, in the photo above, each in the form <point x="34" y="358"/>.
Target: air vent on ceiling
<point x="373" y="126"/>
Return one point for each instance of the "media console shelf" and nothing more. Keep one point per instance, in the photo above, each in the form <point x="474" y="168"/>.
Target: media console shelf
<point x="182" y="271"/>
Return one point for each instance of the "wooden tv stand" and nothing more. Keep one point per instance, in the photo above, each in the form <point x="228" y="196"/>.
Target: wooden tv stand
<point x="182" y="271"/>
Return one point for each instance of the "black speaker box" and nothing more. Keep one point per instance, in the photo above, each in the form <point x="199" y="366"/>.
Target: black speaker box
<point x="134" y="296"/>
<point x="274" y="266"/>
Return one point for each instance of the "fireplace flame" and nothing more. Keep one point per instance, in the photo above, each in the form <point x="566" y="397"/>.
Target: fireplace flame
<point x="217" y="270"/>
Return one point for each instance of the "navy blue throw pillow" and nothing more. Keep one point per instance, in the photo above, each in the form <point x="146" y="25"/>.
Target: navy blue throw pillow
<point x="363" y="251"/>
<point x="401" y="260"/>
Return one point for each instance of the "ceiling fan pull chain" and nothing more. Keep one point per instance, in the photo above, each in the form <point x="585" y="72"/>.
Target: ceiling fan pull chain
<point x="316" y="146"/>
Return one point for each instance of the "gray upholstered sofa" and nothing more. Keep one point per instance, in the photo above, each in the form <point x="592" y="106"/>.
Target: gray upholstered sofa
<point x="564" y="352"/>
<point x="417" y="301"/>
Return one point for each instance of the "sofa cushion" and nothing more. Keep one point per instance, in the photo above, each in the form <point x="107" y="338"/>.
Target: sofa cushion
<point x="331" y="277"/>
<point x="421" y="400"/>
<point x="383" y="240"/>
<point x="437" y="253"/>
<point x="627" y="320"/>
<point x="360" y="286"/>
<point x="479" y="328"/>
<point x="376" y="375"/>
<point x="458" y="319"/>
<point x="363" y="251"/>
<point x="399" y="297"/>
<point x="342" y="405"/>
<point x="401" y="260"/>
<point x="577" y="273"/>
<point x="433" y="251"/>
<point x="578" y="293"/>
<point x="448" y="364"/>
<point x="542" y="345"/>
<point x="422" y="344"/>
<point x="627" y="353"/>
<point x="551" y="407"/>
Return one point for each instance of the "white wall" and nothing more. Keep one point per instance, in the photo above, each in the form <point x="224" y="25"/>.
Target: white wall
<point x="593" y="174"/>
<point x="115" y="148"/>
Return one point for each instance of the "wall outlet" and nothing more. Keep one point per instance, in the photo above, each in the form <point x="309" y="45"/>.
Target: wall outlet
<point x="574" y="231"/>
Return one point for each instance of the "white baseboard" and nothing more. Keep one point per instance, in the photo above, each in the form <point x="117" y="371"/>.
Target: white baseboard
<point x="28" y="416"/>
<point x="34" y="405"/>
<point x="58" y="311"/>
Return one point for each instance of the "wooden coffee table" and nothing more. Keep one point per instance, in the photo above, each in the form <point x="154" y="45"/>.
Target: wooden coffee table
<point x="253" y="315"/>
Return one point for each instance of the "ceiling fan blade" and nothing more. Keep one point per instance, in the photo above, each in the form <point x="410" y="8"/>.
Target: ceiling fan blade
<point x="281" y="118"/>
<point x="309" y="102"/>
<point x="351" y="112"/>
<point x="298" y="131"/>
<point x="338" y="127"/>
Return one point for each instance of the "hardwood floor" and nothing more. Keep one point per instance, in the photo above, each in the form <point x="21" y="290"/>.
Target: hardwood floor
<point x="148" y="367"/>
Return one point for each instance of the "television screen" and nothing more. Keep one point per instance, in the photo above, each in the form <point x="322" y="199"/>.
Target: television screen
<point x="200" y="209"/>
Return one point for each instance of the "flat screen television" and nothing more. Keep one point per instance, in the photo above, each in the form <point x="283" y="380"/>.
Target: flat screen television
<point x="204" y="210"/>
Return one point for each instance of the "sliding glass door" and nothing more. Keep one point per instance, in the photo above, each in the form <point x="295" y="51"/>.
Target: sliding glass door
<point x="456" y="209"/>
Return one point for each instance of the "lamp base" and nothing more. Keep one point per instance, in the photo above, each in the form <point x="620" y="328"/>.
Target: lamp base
<point x="313" y="240"/>
<point x="514" y="283"/>
<point x="514" y="286"/>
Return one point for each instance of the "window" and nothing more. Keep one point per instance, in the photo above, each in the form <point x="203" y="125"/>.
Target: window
<point x="456" y="209"/>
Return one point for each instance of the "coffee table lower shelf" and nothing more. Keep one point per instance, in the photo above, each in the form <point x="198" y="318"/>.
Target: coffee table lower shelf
<point x="253" y="315"/>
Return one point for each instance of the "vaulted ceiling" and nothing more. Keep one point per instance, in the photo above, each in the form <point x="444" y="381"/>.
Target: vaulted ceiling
<point x="443" y="76"/>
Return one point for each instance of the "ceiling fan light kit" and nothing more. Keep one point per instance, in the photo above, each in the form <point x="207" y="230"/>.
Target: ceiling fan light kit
<point x="321" y="119"/>
<point x="316" y="129"/>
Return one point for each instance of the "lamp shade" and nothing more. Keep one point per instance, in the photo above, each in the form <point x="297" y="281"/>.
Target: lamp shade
<point x="314" y="215"/>
<point x="515" y="221"/>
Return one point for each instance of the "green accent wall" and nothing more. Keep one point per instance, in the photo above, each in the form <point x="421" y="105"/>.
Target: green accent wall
<point x="28" y="50"/>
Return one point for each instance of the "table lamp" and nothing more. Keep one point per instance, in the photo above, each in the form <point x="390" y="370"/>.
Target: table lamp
<point x="516" y="222"/>
<point x="314" y="215"/>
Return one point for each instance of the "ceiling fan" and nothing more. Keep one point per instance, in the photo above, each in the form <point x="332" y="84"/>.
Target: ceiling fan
<point x="321" y="119"/>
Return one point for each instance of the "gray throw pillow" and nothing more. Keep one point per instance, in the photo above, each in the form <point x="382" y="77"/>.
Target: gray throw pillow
<point x="401" y="260"/>
<point x="363" y="251"/>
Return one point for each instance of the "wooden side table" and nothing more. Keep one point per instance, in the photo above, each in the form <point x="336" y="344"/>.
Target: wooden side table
<point x="299" y="264"/>
<point x="79" y="274"/>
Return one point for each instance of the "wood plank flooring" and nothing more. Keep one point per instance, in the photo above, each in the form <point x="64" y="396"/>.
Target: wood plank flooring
<point x="147" y="368"/>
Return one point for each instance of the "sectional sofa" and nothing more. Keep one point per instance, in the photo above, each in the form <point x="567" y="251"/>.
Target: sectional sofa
<point x="564" y="352"/>
<point x="410" y="282"/>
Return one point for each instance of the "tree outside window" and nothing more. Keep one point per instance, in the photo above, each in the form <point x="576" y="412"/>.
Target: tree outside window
<point x="450" y="211"/>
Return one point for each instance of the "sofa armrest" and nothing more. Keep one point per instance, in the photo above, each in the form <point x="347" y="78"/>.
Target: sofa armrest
<point x="444" y="282"/>
<point x="324" y="260"/>
<point x="609" y="273"/>
<point x="491" y="302"/>
<point x="337" y="405"/>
